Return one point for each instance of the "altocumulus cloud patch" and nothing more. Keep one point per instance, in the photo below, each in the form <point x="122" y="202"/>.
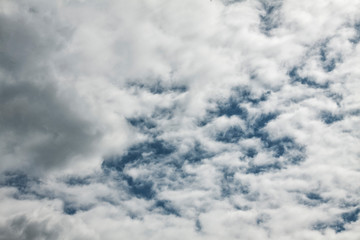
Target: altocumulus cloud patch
<point x="179" y="119"/>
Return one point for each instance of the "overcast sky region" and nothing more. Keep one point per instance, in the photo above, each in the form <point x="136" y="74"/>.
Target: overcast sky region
<point x="180" y="119"/>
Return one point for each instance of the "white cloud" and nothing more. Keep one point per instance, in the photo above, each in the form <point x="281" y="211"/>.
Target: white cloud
<point x="182" y="119"/>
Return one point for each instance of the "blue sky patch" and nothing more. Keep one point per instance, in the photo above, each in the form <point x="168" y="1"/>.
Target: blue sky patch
<point x="330" y="118"/>
<point x="258" y="169"/>
<point x="158" y="87"/>
<point x="269" y="20"/>
<point x="144" y="124"/>
<point x="329" y="64"/>
<point x="140" y="188"/>
<point x="141" y="153"/>
<point x="78" y="181"/>
<point x="231" y="108"/>
<point x="166" y="207"/>
<point x="296" y="78"/>
<point x="230" y="135"/>
<point x="197" y="153"/>
<point x="356" y="39"/>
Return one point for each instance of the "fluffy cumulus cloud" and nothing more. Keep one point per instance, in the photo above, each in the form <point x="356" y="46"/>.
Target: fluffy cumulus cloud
<point x="191" y="119"/>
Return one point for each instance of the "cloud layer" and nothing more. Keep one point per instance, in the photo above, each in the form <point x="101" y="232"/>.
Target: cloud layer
<point x="179" y="119"/>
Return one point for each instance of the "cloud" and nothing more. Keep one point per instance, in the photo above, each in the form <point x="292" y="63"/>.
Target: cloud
<point x="182" y="119"/>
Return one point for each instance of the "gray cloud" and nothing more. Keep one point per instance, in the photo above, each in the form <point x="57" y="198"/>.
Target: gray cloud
<point x="21" y="228"/>
<point x="38" y="129"/>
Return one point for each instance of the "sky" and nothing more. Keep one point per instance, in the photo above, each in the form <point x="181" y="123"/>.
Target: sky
<point x="182" y="119"/>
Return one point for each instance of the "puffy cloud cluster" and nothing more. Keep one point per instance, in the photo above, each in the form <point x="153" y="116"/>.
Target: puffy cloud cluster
<point x="160" y="119"/>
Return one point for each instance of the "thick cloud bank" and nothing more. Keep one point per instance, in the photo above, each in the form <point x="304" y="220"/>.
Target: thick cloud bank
<point x="189" y="119"/>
